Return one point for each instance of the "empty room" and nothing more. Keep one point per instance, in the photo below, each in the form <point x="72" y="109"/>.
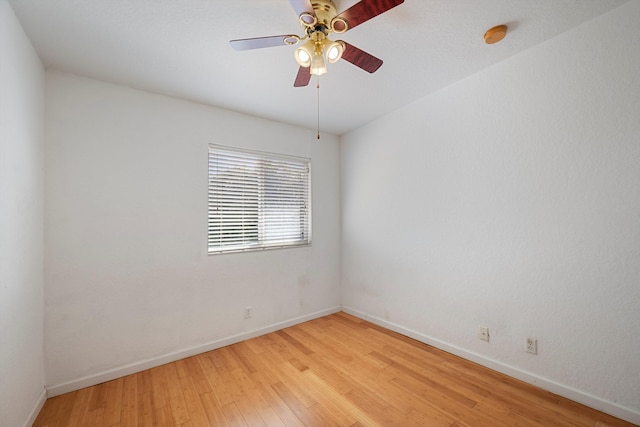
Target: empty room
<point x="316" y="212"/>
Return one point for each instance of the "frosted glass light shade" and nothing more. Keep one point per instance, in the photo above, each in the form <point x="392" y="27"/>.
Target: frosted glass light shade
<point x="318" y="67"/>
<point x="303" y="56"/>
<point x="334" y="51"/>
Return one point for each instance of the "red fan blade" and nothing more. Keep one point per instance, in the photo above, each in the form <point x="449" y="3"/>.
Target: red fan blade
<point x="365" y="10"/>
<point x="260" y="42"/>
<point x="303" y="78"/>
<point x="301" y="6"/>
<point x="360" y="58"/>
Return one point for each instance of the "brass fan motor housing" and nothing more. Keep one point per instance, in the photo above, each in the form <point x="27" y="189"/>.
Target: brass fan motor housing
<point x="325" y="11"/>
<point x="326" y="17"/>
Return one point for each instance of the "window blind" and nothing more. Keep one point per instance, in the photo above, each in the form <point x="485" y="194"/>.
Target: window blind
<point x="257" y="201"/>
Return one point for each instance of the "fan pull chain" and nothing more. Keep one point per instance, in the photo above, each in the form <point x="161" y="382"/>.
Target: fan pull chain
<point x="318" y="106"/>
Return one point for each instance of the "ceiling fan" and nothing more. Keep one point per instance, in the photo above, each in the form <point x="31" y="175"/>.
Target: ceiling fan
<point x="319" y="18"/>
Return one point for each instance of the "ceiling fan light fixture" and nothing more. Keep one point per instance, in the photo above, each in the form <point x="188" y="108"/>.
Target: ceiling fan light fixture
<point x="320" y="18"/>
<point x="318" y="66"/>
<point x="334" y="51"/>
<point x="302" y="57"/>
<point x="304" y="53"/>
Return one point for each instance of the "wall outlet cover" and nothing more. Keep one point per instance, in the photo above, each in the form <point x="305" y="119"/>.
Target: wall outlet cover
<point x="483" y="333"/>
<point x="531" y="345"/>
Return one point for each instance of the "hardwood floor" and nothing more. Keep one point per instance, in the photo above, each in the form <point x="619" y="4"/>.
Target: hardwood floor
<point x="333" y="371"/>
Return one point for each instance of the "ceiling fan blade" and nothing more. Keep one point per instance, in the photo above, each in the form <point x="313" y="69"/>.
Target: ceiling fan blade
<point x="303" y="78"/>
<point x="360" y="58"/>
<point x="301" y="6"/>
<point x="260" y="42"/>
<point x="365" y="10"/>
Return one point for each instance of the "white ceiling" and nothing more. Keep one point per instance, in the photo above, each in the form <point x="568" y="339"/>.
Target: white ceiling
<point x="180" y="48"/>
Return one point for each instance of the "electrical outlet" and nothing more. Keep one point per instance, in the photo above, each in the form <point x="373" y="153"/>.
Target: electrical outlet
<point x="483" y="334"/>
<point x="531" y="345"/>
<point x="247" y="312"/>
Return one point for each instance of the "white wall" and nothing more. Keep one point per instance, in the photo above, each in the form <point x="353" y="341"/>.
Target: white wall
<point x="21" y="224"/>
<point x="128" y="278"/>
<point x="511" y="200"/>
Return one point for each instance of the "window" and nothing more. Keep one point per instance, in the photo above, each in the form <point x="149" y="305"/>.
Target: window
<point x="257" y="200"/>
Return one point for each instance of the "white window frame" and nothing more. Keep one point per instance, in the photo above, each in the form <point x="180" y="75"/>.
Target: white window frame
<point x="257" y="200"/>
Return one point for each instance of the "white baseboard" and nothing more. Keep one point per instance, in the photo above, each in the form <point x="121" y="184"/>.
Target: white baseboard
<point x="36" y="409"/>
<point x="544" y="383"/>
<point x="111" y="374"/>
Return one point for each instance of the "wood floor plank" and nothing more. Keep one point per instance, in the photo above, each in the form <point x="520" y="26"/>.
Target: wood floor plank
<point x="332" y="375"/>
<point x="93" y="418"/>
<point x="444" y="403"/>
<point x="269" y="394"/>
<point x="336" y="370"/>
<point x="297" y="383"/>
<point x="212" y="408"/>
<point x="240" y="353"/>
<point x="225" y="387"/>
<point x="98" y="397"/>
<point x="176" y="399"/>
<point x="197" y="414"/>
<point x="159" y="386"/>
<point x="57" y="410"/>
<point x="113" y="405"/>
<point x="146" y="410"/>
<point x="307" y="417"/>
<point x="451" y="381"/>
<point x="233" y="416"/>
<point x="251" y="404"/>
<point x="197" y="375"/>
<point x="333" y="400"/>
<point x="163" y="415"/>
<point x="80" y="407"/>
<point x="429" y="416"/>
<point x="129" y="411"/>
<point x="427" y="382"/>
<point x="270" y="362"/>
<point x="436" y="371"/>
<point x="294" y="342"/>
